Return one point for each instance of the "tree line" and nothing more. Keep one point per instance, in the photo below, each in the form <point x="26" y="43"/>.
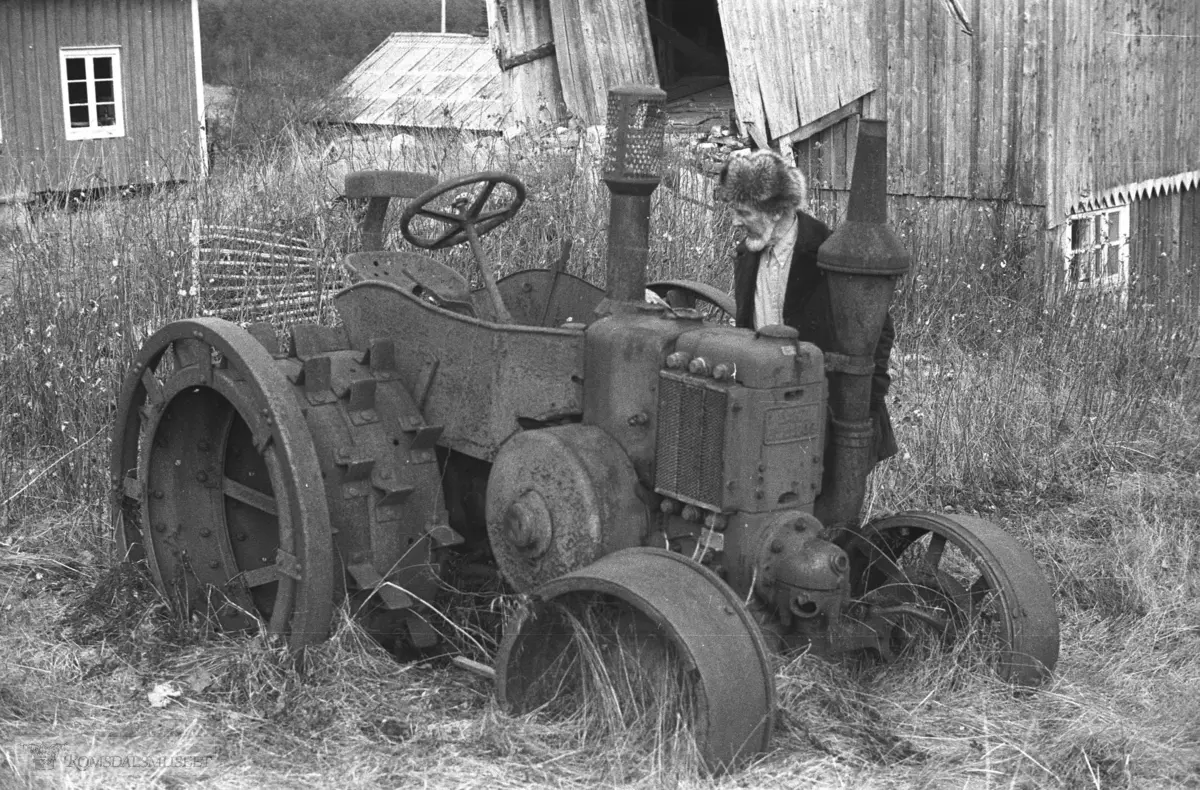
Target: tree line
<point x="315" y="41"/>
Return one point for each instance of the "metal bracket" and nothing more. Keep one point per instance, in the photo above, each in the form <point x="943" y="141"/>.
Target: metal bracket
<point x="425" y="437"/>
<point x="443" y="535"/>
<point x="391" y="492"/>
<point x="361" y="405"/>
<point x="358" y="466"/>
<point x="367" y="578"/>
<point x="309" y="340"/>
<point x="424" y="382"/>
<point x="510" y="62"/>
<point x="288" y="565"/>
<point x="264" y="333"/>
<point x="421" y="632"/>
<point x="317" y="378"/>
<point x="381" y="358"/>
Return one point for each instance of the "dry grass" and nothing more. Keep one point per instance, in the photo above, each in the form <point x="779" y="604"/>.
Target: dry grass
<point x="1081" y="435"/>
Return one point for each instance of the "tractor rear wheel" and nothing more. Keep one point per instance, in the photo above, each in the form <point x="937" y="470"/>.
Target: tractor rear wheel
<point x="217" y="485"/>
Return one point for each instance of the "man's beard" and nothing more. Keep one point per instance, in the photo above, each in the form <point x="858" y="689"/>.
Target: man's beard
<point x="757" y="243"/>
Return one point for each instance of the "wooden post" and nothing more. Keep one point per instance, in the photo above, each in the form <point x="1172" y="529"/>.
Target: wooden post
<point x="522" y="36"/>
<point x="875" y="103"/>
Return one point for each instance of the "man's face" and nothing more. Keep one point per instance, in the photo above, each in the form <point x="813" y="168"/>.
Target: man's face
<point x="759" y="225"/>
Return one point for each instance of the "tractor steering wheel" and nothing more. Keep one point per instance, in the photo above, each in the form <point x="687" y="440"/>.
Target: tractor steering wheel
<point x="465" y="214"/>
<point x="465" y="220"/>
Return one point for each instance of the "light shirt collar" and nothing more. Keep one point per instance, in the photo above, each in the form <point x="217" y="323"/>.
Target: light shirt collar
<point x="774" y="264"/>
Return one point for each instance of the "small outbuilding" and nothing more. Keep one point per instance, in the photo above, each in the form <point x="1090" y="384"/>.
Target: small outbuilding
<point x="98" y="94"/>
<point x="424" y="81"/>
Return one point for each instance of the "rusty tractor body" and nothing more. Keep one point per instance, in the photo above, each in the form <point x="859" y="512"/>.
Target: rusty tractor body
<point x="706" y="479"/>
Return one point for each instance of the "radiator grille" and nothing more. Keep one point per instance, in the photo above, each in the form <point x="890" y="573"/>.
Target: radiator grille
<point x="691" y="441"/>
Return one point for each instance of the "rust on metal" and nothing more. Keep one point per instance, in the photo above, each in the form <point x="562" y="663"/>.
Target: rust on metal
<point x="559" y="499"/>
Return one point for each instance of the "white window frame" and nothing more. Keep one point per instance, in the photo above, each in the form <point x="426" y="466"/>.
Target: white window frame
<point x="1087" y="238"/>
<point x="93" y="131"/>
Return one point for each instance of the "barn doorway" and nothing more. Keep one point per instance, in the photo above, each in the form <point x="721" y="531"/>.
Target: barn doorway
<point x="688" y="42"/>
<point x="693" y="67"/>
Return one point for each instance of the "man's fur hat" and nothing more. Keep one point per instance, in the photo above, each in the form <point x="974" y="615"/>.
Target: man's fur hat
<point x="762" y="180"/>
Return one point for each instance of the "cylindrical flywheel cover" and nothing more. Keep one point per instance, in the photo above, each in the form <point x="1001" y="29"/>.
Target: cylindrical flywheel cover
<point x="712" y="634"/>
<point x="558" y="499"/>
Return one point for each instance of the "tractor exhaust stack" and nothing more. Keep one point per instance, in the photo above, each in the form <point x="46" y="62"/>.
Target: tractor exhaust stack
<point x="861" y="260"/>
<point x="632" y="168"/>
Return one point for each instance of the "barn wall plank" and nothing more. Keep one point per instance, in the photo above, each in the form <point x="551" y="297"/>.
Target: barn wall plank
<point x="801" y="39"/>
<point x="600" y="45"/>
<point x="743" y="76"/>
<point x="955" y="232"/>
<point x="1189" y="241"/>
<point x="937" y="97"/>
<point x="827" y="50"/>
<point x="536" y="91"/>
<point x="966" y="111"/>
<point x="11" y="97"/>
<point x="774" y="57"/>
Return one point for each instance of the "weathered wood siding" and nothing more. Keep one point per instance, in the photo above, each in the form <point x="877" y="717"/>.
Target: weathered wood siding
<point x="953" y="238"/>
<point x="533" y="88"/>
<point x="792" y="63"/>
<point x="966" y="114"/>
<point x="163" y="133"/>
<point x="1189" y="241"/>
<point x="600" y="44"/>
<point x="1164" y="231"/>
<point x="1127" y="87"/>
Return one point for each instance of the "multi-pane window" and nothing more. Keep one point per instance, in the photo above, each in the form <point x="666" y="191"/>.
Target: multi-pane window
<point x="1097" y="249"/>
<point x="91" y="80"/>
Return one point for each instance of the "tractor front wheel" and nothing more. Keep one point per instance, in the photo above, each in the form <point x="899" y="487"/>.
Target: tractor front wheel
<point x="966" y="581"/>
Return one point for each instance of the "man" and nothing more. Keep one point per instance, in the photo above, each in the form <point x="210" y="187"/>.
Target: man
<point x="776" y="277"/>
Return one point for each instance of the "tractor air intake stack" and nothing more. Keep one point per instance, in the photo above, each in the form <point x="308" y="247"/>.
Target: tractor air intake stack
<point x="633" y="156"/>
<point x="861" y="260"/>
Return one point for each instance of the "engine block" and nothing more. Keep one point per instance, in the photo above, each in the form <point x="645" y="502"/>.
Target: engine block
<point x="741" y="425"/>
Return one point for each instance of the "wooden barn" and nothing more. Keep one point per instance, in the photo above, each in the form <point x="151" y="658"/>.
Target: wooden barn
<point x="1064" y="134"/>
<point x="98" y="94"/>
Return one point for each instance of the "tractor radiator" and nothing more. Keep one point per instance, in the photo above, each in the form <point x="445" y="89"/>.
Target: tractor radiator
<point x="690" y="453"/>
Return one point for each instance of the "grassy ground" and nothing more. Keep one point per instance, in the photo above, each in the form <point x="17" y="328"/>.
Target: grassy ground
<point x="1079" y="434"/>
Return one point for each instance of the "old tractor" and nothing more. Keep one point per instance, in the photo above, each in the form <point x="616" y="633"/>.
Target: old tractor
<point x="600" y="450"/>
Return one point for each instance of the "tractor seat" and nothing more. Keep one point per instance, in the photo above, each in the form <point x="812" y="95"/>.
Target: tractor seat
<point x="416" y="274"/>
<point x="379" y="188"/>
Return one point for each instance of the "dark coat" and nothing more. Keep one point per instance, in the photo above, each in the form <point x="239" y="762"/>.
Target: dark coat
<point x="806" y="307"/>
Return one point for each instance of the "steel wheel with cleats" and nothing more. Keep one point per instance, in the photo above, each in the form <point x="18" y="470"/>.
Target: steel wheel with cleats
<point x="217" y="485"/>
<point x="962" y="579"/>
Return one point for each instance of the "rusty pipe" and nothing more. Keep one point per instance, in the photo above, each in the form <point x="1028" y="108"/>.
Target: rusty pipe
<point x="628" y="246"/>
<point x="861" y="261"/>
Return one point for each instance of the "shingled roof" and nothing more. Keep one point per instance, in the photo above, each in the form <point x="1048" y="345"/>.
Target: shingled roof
<point x="425" y="81"/>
